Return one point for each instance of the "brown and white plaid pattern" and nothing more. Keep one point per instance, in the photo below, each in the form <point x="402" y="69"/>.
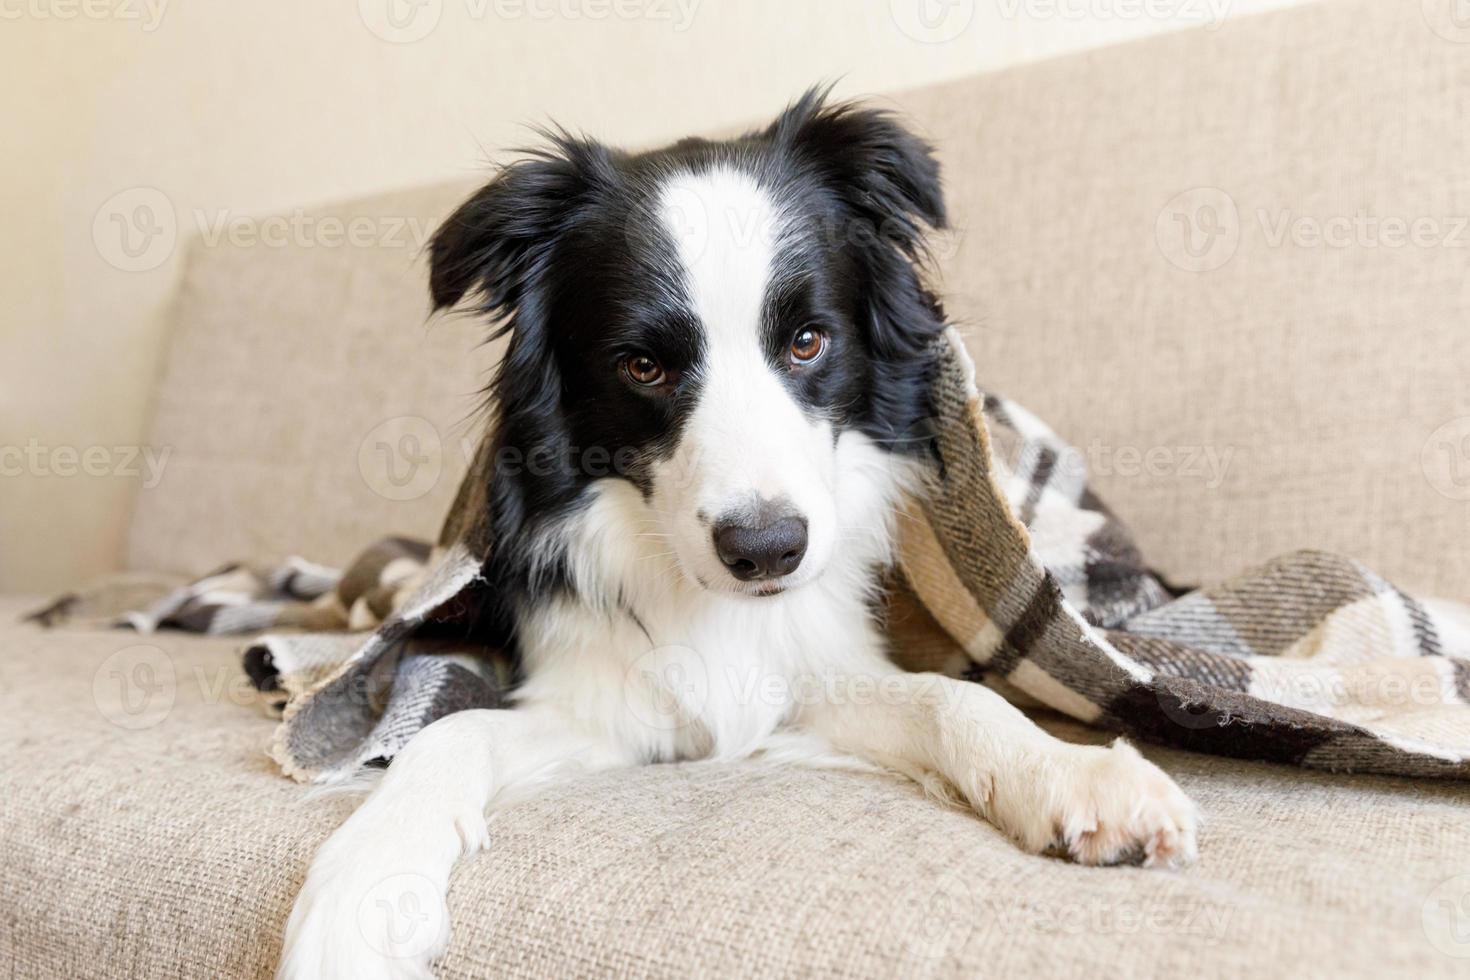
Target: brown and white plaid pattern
<point x="1012" y="572"/>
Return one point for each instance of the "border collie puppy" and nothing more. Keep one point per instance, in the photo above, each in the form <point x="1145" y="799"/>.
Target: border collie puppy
<point x="720" y="354"/>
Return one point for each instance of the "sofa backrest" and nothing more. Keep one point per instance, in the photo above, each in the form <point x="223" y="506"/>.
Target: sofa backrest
<point x="308" y="403"/>
<point x="1232" y="267"/>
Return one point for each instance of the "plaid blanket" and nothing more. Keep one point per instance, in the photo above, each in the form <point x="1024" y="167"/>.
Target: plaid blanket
<point x="1011" y="573"/>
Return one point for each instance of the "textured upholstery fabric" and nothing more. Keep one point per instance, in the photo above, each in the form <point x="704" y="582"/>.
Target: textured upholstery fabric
<point x="174" y="848"/>
<point x="168" y="846"/>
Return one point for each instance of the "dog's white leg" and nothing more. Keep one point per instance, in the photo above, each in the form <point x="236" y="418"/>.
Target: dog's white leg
<point x="1104" y="805"/>
<point x="373" y="902"/>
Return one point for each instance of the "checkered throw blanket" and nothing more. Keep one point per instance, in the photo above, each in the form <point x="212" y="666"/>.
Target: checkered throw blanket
<point x="1011" y="573"/>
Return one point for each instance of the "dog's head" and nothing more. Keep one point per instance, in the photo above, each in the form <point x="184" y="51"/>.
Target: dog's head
<point x="706" y="322"/>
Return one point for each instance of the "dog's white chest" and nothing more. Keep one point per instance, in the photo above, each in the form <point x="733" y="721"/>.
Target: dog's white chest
<point x="712" y="681"/>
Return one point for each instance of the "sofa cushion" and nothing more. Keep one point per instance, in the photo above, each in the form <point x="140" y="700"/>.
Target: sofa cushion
<point x="143" y="832"/>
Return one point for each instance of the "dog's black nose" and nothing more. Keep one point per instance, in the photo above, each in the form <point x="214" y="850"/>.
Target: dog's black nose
<point x="761" y="550"/>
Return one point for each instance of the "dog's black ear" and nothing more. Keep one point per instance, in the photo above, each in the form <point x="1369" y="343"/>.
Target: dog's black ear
<point x="887" y="182"/>
<point x="496" y="242"/>
<point x="885" y="174"/>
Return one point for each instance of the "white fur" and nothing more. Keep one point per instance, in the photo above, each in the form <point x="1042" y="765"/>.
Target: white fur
<point x="666" y="657"/>
<point x="747" y="441"/>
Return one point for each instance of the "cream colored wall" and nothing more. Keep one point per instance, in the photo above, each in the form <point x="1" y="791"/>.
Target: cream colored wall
<point x="112" y="106"/>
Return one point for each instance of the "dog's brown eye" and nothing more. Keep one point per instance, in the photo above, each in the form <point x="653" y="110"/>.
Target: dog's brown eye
<point x="808" y="345"/>
<point x="643" y="370"/>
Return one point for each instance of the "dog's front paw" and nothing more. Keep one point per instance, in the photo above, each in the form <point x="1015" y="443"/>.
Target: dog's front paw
<point x="357" y="923"/>
<point x="1103" y="806"/>
<point x="1126" y="810"/>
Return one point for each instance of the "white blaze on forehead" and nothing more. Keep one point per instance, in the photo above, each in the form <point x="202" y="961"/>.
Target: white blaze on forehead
<point x="746" y="440"/>
<point x="747" y="434"/>
<point x="725" y="229"/>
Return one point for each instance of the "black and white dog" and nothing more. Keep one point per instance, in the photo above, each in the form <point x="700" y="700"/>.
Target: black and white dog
<point x="738" y="332"/>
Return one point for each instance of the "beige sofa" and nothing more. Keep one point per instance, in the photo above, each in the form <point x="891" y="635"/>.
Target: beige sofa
<point x="1253" y="390"/>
